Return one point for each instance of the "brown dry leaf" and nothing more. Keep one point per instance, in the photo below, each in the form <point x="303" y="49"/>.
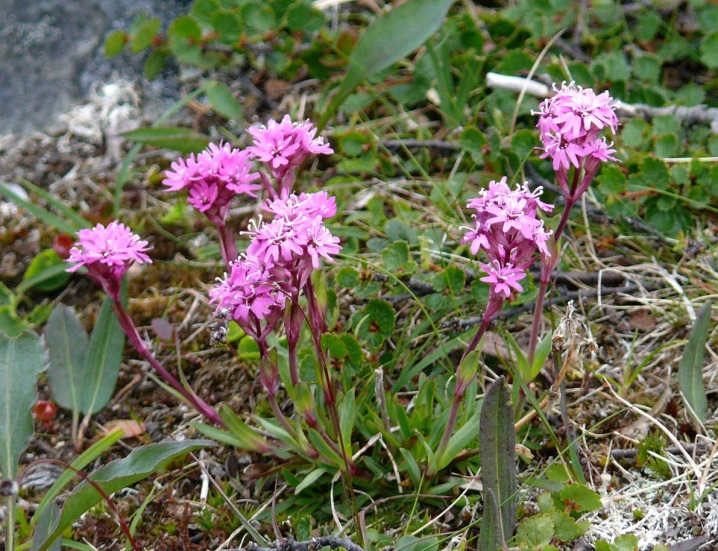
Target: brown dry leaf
<point x="642" y="320"/>
<point x="129" y="427"/>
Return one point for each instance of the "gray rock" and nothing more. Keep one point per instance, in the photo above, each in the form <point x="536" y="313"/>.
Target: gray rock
<point x="51" y="53"/>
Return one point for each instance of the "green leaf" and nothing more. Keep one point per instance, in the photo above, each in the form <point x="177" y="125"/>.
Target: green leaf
<point x="347" y="419"/>
<point x="626" y="542"/>
<point x="523" y="143"/>
<point x="115" y="43"/>
<point x="119" y="474"/>
<point x="490" y="535"/>
<point x="497" y="442"/>
<point x="542" y="351"/>
<point x="10" y="323"/>
<point x="67" y="344"/>
<point x="391" y="37"/>
<point x="145" y="35"/>
<point x="258" y="17"/>
<point x="185" y="27"/>
<point x="304" y="17"/>
<point x="522" y="362"/>
<point x="535" y="531"/>
<point x="251" y="439"/>
<point x="22" y="359"/>
<point x="323" y="448"/>
<point x="565" y="527"/>
<point x="655" y="173"/>
<point x="709" y="50"/>
<point x="102" y="365"/>
<point x="87" y="457"/>
<point x="223" y="101"/>
<point x="690" y="372"/>
<point x="47" y="272"/>
<point x="412" y="468"/>
<point x="177" y="139"/>
<point x="412" y="543"/>
<point x="582" y="499"/>
<point x="309" y="479"/>
<point x="375" y="323"/>
<point x="474" y="141"/>
<point x="155" y="62"/>
<point x="348" y="277"/>
<point x="397" y="259"/>
<point x="45" y="520"/>
<point x="228" y="26"/>
<point x="460" y="440"/>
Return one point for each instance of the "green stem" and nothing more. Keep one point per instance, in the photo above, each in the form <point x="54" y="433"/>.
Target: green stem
<point x="10" y="526"/>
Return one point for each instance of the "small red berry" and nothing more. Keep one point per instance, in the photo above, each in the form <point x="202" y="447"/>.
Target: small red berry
<point x="45" y="411"/>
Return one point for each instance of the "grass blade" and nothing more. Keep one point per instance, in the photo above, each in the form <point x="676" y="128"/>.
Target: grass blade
<point x="66" y="211"/>
<point x="39" y="212"/>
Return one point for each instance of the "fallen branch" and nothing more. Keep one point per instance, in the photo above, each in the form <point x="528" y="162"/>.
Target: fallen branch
<point x="698" y="114"/>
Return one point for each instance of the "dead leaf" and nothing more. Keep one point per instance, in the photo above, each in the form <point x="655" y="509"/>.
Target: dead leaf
<point x="129" y="427"/>
<point x="642" y="320"/>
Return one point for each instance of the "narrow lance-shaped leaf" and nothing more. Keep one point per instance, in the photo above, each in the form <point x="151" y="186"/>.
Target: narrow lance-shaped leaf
<point x="391" y="37"/>
<point x="690" y="372"/>
<point x="175" y="138"/>
<point x="497" y="442"/>
<point x="67" y="345"/>
<point x="119" y="474"/>
<point x="102" y="365"/>
<point x="21" y="361"/>
<point x="490" y="538"/>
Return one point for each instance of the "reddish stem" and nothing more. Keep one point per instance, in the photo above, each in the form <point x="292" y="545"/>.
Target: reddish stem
<point x="134" y="337"/>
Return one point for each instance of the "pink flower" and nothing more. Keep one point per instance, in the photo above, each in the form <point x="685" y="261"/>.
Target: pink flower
<point x="213" y="178"/>
<point x="202" y="196"/>
<point x="107" y="253"/>
<point x="563" y="153"/>
<point x="504" y="280"/>
<point x="250" y="296"/>
<point x="296" y="238"/>
<point x="507" y="229"/>
<point x="284" y="145"/>
<point x="320" y="243"/>
<point x="569" y="124"/>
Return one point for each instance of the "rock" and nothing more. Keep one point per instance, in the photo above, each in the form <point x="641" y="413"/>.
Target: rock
<point x="51" y="55"/>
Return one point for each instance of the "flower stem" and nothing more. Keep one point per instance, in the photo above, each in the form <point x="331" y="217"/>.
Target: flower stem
<point x="10" y="524"/>
<point x="460" y="387"/>
<point x="227" y="244"/>
<point x="546" y="270"/>
<point x="134" y="337"/>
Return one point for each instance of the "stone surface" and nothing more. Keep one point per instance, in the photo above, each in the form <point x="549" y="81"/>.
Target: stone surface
<point x="51" y="54"/>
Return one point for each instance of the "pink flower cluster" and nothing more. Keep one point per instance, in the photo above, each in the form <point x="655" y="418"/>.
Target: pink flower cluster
<point x="278" y="262"/>
<point x="213" y="178"/>
<point x="107" y="253"/>
<point x="507" y="229"/>
<point x="569" y="124"/>
<point x="283" y="146"/>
